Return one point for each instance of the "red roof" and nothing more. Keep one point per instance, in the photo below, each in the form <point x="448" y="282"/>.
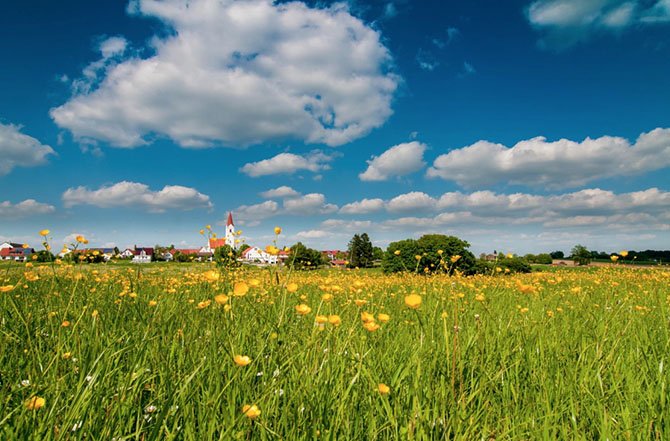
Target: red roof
<point x="216" y="243"/>
<point x="5" y="252"/>
<point x="188" y="251"/>
<point x="230" y="219"/>
<point x="247" y="251"/>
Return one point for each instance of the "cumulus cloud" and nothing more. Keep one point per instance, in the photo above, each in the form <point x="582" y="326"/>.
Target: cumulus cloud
<point x="20" y="150"/>
<point x="295" y="205"/>
<point x="27" y="208"/>
<point x="237" y="73"/>
<point x="288" y="163"/>
<point x="363" y="207"/>
<point x="312" y="234"/>
<point x="413" y="201"/>
<point x="399" y="160"/>
<point x="136" y="195"/>
<point x="313" y="203"/>
<point x="346" y="225"/>
<point x="558" y="164"/>
<point x="589" y="207"/>
<point x="280" y="192"/>
<point x="566" y="22"/>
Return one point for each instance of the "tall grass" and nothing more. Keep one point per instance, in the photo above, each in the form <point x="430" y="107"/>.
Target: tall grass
<point x="564" y="355"/>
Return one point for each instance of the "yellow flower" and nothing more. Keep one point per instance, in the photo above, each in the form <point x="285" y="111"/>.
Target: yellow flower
<point x="35" y="402"/>
<point x="383" y="389"/>
<point x="623" y="253"/>
<point x="277" y="231"/>
<point x="251" y="411"/>
<point x="440" y="252"/>
<point x="396" y="252"/>
<point x="292" y="287"/>
<point x="95" y="313"/>
<point x="614" y="257"/>
<point x="80" y="238"/>
<point x="44" y="233"/>
<point x="334" y="320"/>
<point x="321" y="319"/>
<point x="66" y="355"/>
<point x="371" y="326"/>
<point x="303" y="309"/>
<point x="413" y="301"/>
<point x="242" y="360"/>
<point x="65" y="324"/>
<point x="211" y="275"/>
<point x="383" y="318"/>
<point x="6" y="288"/>
<point x="272" y="250"/>
<point x="455" y="258"/>
<point x="523" y="310"/>
<point x="202" y="231"/>
<point x="221" y="299"/>
<point x="25" y="245"/>
<point x="327" y="297"/>
<point x="209" y="227"/>
<point x="360" y="302"/>
<point x="240" y="289"/>
<point x="510" y="255"/>
<point x="418" y="257"/>
<point x="204" y="304"/>
<point x="255" y="283"/>
<point x="153" y="303"/>
<point x="367" y="317"/>
<point x="480" y="297"/>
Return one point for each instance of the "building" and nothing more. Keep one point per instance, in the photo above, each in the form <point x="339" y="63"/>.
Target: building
<point x="258" y="255"/>
<point x="142" y="254"/>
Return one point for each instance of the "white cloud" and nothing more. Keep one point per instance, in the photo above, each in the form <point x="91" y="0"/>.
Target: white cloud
<point x="312" y="234"/>
<point x="346" y="225"/>
<point x="238" y="73"/>
<point x="558" y="164"/>
<point x="413" y="201"/>
<point x="364" y="206"/>
<point x="27" y="208"/>
<point x="279" y="192"/>
<point x="20" y="150"/>
<point x="399" y="160"/>
<point x="566" y="22"/>
<point x="257" y="211"/>
<point x="313" y="203"/>
<point x="136" y="195"/>
<point x="288" y="163"/>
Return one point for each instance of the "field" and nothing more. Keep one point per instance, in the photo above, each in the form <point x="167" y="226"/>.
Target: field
<point x="160" y="352"/>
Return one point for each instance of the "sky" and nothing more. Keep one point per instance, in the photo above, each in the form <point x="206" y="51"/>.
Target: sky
<point x="518" y="126"/>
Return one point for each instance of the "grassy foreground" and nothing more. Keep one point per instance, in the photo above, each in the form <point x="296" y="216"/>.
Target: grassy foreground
<point x="94" y="352"/>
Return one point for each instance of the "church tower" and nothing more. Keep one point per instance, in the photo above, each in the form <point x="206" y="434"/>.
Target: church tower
<point x="230" y="231"/>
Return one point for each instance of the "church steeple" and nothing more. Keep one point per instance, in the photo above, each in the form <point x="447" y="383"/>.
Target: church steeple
<point x="230" y="231"/>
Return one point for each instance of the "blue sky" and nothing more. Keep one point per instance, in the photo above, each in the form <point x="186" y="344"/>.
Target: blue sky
<point x="522" y="126"/>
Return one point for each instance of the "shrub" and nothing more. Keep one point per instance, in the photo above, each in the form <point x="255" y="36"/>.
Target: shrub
<point x="429" y="254"/>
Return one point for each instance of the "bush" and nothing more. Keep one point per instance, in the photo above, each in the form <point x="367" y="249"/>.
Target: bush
<point x="225" y="256"/>
<point x="434" y="252"/>
<point x="514" y="265"/>
<point x="302" y="258"/>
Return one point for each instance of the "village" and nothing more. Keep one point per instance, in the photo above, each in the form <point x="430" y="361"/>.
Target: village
<point x="253" y="255"/>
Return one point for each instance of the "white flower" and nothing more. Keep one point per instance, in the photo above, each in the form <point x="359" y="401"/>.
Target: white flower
<point x="25" y="383"/>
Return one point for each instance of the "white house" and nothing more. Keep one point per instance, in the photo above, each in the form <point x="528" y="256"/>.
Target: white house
<point x="255" y="254"/>
<point x="126" y="254"/>
<point x="142" y="255"/>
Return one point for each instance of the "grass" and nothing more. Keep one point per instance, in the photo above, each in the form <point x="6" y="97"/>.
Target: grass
<point x="548" y="355"/>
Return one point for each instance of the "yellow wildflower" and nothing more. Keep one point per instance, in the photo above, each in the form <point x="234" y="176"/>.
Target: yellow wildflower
<point x="413" y="301"/>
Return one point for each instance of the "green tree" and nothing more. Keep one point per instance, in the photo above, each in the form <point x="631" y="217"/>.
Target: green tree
<point x="303" y="258"/>
<point x="581" y="255"/>
<point x="429" y="254"/>
<point x="557" y="254"/>
<point x="226" y="256"/>
<point x="354" y="251"/>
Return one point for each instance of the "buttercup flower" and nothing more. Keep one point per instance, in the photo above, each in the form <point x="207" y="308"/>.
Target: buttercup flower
<point x="413" y="301"/>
